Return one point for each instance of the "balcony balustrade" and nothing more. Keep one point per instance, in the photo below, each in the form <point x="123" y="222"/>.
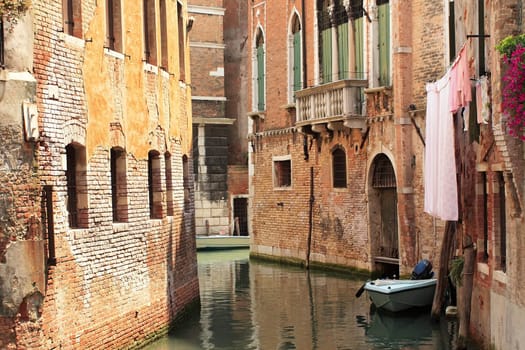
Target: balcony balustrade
<point x="331" y="106"/>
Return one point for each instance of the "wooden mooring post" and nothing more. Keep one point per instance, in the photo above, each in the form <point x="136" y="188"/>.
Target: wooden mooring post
<point x="444" y="261"/>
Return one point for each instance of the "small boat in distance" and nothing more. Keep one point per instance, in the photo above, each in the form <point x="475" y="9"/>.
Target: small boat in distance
<point x="216" y="242"/>
<point x="398" y="295"/>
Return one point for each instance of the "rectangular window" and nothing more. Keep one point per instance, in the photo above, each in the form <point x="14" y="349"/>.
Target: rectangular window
<point x="154" y="186"/>
<point x="76" y="186"/>
<point x="339" y="168"/>
<point x="182" y="43"/>
<point x="150" y="37"/>
<point x="2" y="62"/>
<point x="163" y="36"/>
<point x="113" y="25"/>
<point x="169" y="184"/>
<point x="72" y="17"/>
<point x="501" y="222"/>
<point x="119" y="185"/>
<point x="282" y="173"/>
<point x="452" y="31"/>
<point x="186" y="183"/>
<point x="484" y="198"/>
<point x="383" y="9"/>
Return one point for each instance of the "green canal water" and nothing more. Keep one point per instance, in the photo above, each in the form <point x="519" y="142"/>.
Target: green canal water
<point x="258" y="305"/>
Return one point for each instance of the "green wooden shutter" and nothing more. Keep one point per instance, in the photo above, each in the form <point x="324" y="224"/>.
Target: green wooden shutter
<point x="342" y="45"/>
<point x="260" y="78"/>
<point x="327" y="55"/>
<point x="384" y="44"/>
<point x="297" y="61"/>
<point x="359" y="52"/>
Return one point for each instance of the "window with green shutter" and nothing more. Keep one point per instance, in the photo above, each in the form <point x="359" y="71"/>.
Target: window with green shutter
<point x="296" y="55"/>
<point x="383" y="9"/>
<point x="342" y="44"/>
<point x="260" y="73"/>
<point x="326" y="55"/>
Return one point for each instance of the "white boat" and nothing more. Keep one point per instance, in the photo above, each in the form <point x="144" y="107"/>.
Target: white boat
<point x="398" y="295"/>
<point x="216" y="242"/>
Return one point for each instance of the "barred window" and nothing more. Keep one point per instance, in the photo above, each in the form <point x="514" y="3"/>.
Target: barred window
<point x="119" y="185"/>
<point x="154" y="185"/>
<point x="76" y="180"/>
<point x="384" y="176"/>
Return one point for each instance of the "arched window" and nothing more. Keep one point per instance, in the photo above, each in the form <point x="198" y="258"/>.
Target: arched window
<point x="384" y="176"/>
<point x="296" y="55"/>
<point x="259" y="41"/>
<point x="339" y="168"/>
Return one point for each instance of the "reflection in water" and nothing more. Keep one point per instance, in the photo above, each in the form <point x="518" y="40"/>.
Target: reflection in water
<point x="256" y="305"/>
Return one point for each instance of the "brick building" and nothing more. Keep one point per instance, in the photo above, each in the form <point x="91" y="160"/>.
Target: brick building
<point x="219" y="124"/>
<point x="493" y="179"/>
<point x="97" y="245"/>
<point x="338" y="113"/>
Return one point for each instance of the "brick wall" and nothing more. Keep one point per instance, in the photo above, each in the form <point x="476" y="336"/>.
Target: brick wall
<point x="114" y="285"/>
<point x="341" y="234"/>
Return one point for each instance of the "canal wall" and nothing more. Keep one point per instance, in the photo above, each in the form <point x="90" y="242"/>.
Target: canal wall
<point x="97" y="239"/>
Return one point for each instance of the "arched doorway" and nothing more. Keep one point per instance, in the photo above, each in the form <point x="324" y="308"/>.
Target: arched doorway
<point x="384" y="236"/>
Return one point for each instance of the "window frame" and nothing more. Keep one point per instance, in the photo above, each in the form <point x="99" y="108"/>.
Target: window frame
<point x="282" y="172"/>
<point x="339" y="169"/>
<point x="114" y="38"/>
<point x="384" y="41"/>
<point x="260" y="71"/>
<point x="295" y="55"/>
<point x="181" y="25"/>
<point x="76" y="186"/>
<point x="149" y="31"/>
<point x="2" y="47"/>
<point x="118" y="173"/>
<point x="154" y="185"/>
<point x="72" y="17"/>
<point x="168" y="173"/>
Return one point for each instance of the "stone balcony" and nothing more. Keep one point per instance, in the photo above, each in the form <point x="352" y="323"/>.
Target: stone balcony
<point x="331" y="106"/>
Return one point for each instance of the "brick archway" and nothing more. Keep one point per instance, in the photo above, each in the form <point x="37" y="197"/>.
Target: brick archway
<point x="382" y="201"/>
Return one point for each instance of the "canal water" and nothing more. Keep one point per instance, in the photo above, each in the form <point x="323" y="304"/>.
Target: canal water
<point x="265" y="306"/>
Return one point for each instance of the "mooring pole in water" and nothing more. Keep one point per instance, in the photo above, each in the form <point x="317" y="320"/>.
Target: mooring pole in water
<point x="310" y="218"/>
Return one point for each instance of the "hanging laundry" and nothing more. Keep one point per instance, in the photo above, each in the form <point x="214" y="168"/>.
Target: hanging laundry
<point x="482" y="99"/>
<point x="441" y="197"/>
<point x="460" y="85"/>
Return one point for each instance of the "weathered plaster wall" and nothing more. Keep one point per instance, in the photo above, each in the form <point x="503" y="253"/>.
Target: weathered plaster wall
<point x="114" y="285"/>
<point x="21" y="244"/>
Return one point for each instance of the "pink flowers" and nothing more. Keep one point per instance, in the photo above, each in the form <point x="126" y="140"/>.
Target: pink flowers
<point x="513" y="96"/>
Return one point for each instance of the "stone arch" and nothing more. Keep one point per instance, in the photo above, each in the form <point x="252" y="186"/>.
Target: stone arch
<point x="383" y="216"/>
